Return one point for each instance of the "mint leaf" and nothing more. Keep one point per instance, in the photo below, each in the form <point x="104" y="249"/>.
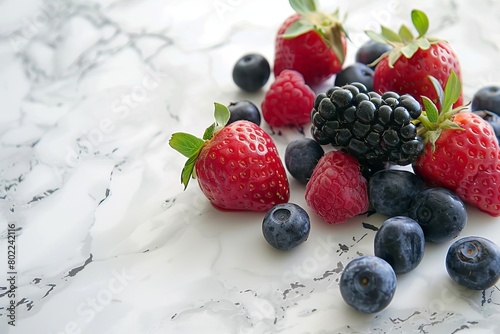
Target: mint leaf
<point x="391" y="35"/>
<point x="430" y="109"/>
<point x="405" y="34"/>
<point x="304" y="6"/>
<point x="438" y="89"/>
<point x="185" y="143"/>
<point x="187" y="171"/>
<point x="452" y="91"/>
<point x="298" y="28"/>
<point x="420" y="21"/>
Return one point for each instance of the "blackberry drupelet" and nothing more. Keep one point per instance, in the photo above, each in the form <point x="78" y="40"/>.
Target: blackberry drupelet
<point x="373" y="128"/>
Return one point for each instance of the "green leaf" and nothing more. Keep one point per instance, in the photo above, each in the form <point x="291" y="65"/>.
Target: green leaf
<point x="423" y="43"/>
<point x="405" y="34"/>
<point x="188" y="170"/>
<point x="336" y="43"/>
<point x="221" y="114"/>
<point x="394" y="56"/>
<point x="409" y="50"/>
<point x="430" y="109"/>
<point x="449" y="124"/>
<point x="375" y="36"/>
<point x="298" y="28"/>
<point x="209" y="132"/>
<point x="452" y="91"/>
<point x="435" y="39"/>
<point x="438" y="89"/>
<point x="432" y="137"/>
<point x="420" y="21"/>
<point x="185" y="143"/>
<point x="304" y="6"/>
<point x="391" y="35"/>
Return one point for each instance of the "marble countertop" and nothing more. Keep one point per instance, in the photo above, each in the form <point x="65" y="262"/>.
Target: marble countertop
<point x="106" y="239"/>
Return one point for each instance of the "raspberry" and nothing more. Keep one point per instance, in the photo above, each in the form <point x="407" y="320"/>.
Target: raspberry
<point x="337" y="190"/>
<point x="373" y="128"/>
<point x="288" y="101"/>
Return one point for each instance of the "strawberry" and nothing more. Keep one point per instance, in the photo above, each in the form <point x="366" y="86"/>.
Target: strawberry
<point x="405" y="68"/>
<point x="237" y="165"/>
<point x="337" y="190"/>
<point x="288" y="101"/>
<point x="461" y="151"/>
<point x="483" y="191"/>
<point x="311" y="42"/>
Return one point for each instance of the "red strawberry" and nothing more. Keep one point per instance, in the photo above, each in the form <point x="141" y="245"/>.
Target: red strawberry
<point x="405" y="68"/>
<point x="337" y="190"/>
<point x="311" y="42"/>
<point x="288" y="101"/>
<point x="461" y="151"/>
<point x="483" y="191"/>
<point x="237" y="166"/>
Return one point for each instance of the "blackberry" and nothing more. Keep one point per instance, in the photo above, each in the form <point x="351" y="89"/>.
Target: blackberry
<point x="373" y="128"/>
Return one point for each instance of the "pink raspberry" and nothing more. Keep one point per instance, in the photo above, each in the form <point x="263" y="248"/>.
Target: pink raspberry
<point x="288" y="101"/>
<point x="337" y="190"/>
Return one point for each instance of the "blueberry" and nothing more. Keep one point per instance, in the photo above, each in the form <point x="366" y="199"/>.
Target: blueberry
<point x="368" y="284"/>
<point x="474" y="262"/>
<point x="371" y="51"/>
<point x="357" y="72"/>
<point x="251" y="72"/>
<point x="491" y="118"/>
<point x="244" y="110"/>
<point x="440" y="213"/>
<point x="487" y="98"/>
<point x="391" y="191"/>
<point x="286" y="226"/>
<point x="301" y="157"/>
<point x="400" y="241"/>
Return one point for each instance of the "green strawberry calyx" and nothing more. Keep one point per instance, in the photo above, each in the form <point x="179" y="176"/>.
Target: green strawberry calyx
<point x="329" y="26"/>
<point x="403" y="42"/>
<point x="190" y="146"/>
<point x="433" y="121"/>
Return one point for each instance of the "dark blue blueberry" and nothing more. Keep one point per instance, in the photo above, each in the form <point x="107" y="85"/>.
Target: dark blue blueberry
<point x="356" y="72"/>
<point x="371" y="51"/>
<point x="474" y="262"/>
<point x="301" y="157"/>
<point x="440" y="213"/>
<point x="286" y="226"/>
<point x="391" y="191"/>
<point x="368" y="284"/>
<point x="251" y="72"/>
<point x="491" y="118"/>
<point x="244" y="110"/>
<point x="401" y="242"/>
<point x="487" y="98"/>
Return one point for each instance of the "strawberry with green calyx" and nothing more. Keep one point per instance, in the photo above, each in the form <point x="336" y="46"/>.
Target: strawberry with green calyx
<point x="405" y="68"/>
<point x="310" y="42"/>
<point x="461" y="151"/>
<point x="237" y="165"/>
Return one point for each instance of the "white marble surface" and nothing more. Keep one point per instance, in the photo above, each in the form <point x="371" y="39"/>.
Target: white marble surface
<point x="107" y="241"/>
